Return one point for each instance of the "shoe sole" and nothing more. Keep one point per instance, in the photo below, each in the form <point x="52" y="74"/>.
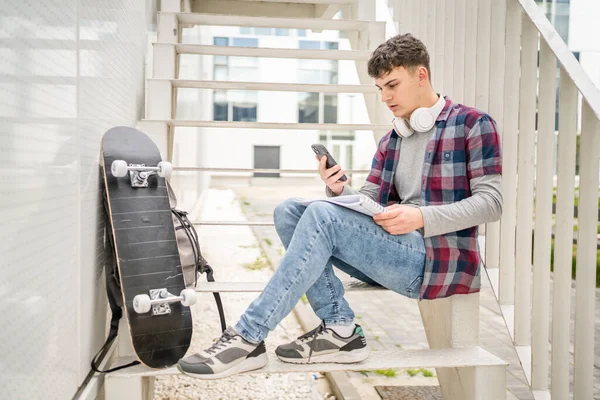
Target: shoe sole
<point x="339" y="357"/>
<point x="250" y="364"/>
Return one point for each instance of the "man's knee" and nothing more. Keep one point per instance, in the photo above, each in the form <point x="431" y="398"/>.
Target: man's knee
<point x="284" y="211"/>
<point x="322" y="211"/>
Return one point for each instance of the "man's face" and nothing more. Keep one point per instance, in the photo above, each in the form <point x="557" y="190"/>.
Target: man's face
<point x="401" y="90"/>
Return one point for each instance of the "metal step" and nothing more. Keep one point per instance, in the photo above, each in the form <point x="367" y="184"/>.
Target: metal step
<point x="264" y="170"/>
<point x="390" y="359"/>
<point x="265" y="22"/>
<point x="508" y="314"/>
<point x="272" y="125"/>
<point x="267" y="86"/>
<point x="269" y="52"/>
<point x="234" y="223"/>
<point x="210" y="287"/>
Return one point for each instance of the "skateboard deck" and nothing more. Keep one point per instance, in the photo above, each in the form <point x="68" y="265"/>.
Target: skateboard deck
<point x="146" y="249"/>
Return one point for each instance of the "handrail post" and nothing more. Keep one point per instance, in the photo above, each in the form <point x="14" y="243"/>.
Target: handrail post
<point x="589" y="154"/>
<point x="527" y="109"/>
<point x="543" y="219"/>
<point x="508" y="220"/>
<point x="563" y="242"/>
<point x="496" y="107"/>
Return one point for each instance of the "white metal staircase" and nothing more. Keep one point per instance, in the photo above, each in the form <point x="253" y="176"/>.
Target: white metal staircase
<point x="465" y="370"/>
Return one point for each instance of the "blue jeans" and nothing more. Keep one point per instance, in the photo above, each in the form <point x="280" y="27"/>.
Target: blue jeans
<point x="317" y="237"/>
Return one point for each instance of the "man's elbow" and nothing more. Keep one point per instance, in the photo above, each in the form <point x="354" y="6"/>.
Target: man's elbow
<point x="496" y="207"/>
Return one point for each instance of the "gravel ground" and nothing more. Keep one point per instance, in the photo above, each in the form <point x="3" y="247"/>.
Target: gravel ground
<point x="235" y="255"/>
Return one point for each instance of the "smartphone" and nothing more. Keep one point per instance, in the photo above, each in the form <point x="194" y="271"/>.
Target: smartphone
<point x="321" y="151"/>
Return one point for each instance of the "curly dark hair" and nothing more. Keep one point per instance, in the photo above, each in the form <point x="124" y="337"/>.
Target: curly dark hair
<point x="399" y="51"/>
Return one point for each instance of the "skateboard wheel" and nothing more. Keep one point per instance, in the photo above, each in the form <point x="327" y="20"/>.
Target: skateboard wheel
<point x="188" y="297"/>
<point x="165" y="169"/>
<point x="118" y="168"/>
<point x="141" y="303"/>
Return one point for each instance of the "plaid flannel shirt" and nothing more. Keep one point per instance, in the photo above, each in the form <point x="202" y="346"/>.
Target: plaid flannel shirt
<point x="465" y="145"/>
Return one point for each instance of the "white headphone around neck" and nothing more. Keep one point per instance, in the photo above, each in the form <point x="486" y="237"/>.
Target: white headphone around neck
<point x="421" y="120"/>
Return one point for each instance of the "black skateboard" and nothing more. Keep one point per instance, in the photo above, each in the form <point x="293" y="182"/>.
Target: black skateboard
<point x="156" y="302"/>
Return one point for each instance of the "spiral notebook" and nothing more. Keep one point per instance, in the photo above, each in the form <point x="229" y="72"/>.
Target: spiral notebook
<point x="356" y="202"/>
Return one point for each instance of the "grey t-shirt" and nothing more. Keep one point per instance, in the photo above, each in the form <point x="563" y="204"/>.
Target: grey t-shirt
<point x="484" y="204"/>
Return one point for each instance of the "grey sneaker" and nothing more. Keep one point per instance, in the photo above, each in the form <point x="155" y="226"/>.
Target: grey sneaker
<point x="323" y="345"/>
<point x="230" y="354"/>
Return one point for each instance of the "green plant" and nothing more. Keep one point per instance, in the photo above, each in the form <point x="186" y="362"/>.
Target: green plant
<point x="245" y="201"/>
<point x="426" y="373"/>
<point x="574" y="262"/>
<point x="303" y="299"/>
<point x="268" y="242"/>
<point x="386" y="372"/>
<point x="259" y="263"/>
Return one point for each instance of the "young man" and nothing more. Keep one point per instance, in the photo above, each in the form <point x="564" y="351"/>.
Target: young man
<point x="438" y="172"/>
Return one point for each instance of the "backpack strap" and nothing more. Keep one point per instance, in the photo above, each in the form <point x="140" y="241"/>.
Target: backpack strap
<point x="202" y="265"/>
<point x="210" y="278"/>
<point x="111" y="288"/>
<point x="117" y="313"/>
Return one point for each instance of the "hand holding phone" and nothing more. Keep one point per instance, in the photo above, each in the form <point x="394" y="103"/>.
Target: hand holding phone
<point x="331" y="173"/>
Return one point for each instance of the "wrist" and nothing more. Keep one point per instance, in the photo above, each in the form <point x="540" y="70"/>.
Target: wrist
<point x="420" y="219"/>
<point x="337" y="192"/>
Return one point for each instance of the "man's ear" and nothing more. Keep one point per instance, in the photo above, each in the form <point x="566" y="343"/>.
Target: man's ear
<point x="422" y="74"/>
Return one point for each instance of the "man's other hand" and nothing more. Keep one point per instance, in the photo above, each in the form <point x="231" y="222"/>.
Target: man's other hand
<point x="399" y="219"/>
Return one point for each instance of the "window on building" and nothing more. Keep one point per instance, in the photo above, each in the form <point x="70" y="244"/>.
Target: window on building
<point x="330" y="108"/>
<point x="221" y="41"/>
<point x="220" y="106"/>
<point x="317" y="107"/>
<point x="309" y="44"/>
<point x="263" y="31"/>
<point x="244" y="42"/>
<point x="234" y="105"/>
<point x="308" y="108"/>
<point x="243" y="105"/>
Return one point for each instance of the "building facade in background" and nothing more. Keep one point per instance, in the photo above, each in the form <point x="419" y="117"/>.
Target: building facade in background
<point x="263" y="148"/>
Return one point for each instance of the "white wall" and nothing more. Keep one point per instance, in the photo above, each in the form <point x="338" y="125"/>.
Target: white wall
<point x="69" y="71"/>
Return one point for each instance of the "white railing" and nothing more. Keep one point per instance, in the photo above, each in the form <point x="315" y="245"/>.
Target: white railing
<point x="484" y="53"/>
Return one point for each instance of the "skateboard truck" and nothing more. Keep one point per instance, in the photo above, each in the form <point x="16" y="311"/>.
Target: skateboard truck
<point x="139" y="173"/>
<point x="159" y="300"/>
